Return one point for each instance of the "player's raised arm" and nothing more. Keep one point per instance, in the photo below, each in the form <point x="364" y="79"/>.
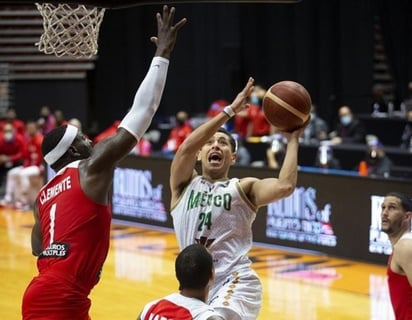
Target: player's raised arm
<point x="147" y="98"/>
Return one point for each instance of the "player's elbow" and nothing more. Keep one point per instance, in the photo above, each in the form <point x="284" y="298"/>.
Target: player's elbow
<point x="286" y="189"/>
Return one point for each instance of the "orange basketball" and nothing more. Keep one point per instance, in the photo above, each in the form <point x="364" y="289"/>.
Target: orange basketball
<point x="287" y="105"/>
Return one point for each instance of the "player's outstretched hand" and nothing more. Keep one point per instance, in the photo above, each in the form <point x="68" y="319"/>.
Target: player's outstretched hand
<point x="240" y="102"/>
<point x="166" y="32"/>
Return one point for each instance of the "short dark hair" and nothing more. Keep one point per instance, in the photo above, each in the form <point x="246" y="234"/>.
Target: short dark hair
<point x="193" y="267"/>
<point x="406" y="202"/>
<point x="232" y="140"/>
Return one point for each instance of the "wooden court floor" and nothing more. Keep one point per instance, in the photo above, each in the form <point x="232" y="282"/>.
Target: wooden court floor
<point x="140" y="266"/>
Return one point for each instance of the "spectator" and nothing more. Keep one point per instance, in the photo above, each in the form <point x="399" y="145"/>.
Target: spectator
<point x="325" y="158"/>
<point x="178" y="134"/>
<point x="47" y="120"/>
<point x="317" y="129"/>
<point x="378" y="163"/>
<point x="243" y="156"/>
<point x="11" y="150"/>
<point x="60" y="118"/>
<point x="215" y="108"/>
<point x="21" y="184"/>
<point x="258" y="124"/>
<point x="143" y="147"/>
<point x="275" y="154"/>
<point x="11" y="117"/>
<point x="194" y="271"/>
<point x="349" y="129"/>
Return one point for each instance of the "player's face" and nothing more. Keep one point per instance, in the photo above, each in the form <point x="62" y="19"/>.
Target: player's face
<point x="217" y="152"/>
<point x="84" y="146"/>
<point x="393" y="216"/>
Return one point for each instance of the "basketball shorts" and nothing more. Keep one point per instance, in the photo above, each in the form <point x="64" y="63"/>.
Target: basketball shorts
<point x="237" y="296"/>
<point x="53" y="297"/>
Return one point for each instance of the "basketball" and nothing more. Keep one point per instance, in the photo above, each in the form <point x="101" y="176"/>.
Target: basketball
<point x="287" y="105"/>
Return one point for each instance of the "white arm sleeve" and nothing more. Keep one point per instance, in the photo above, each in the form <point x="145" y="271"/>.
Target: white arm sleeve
<point x="147" y="99"/>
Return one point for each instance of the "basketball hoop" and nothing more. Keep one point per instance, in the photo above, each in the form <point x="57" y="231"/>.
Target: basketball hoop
<point x="71" y="30"/>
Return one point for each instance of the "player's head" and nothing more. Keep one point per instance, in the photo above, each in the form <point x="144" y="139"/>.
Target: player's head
<point x="218" y="154"/>
<point x="194" y="267"/>
<point x="65" y="144"/>
<point x="396" y="213"/>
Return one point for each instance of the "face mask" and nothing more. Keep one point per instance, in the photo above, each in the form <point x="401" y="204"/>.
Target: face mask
<point x="345" y="120"/>
<point x="8" y="136"/>
<point x="254" y="100"/>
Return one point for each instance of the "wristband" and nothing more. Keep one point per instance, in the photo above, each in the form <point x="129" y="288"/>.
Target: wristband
<point x="229" y="111"/>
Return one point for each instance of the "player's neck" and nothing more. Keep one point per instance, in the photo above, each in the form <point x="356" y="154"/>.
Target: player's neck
<point x="196" y="294"/>
<point x="394" y="238"/>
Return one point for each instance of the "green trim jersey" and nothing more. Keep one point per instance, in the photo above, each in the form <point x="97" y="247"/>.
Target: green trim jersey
<point x="218" y="215"/>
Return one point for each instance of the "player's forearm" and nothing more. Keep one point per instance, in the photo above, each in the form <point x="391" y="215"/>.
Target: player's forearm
<point x="147" y="99"/>
<point x="288" y="173"/>
<point x="203" y="133"/>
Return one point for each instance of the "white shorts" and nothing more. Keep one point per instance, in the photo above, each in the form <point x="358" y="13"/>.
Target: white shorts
<point x="237" y="296"/>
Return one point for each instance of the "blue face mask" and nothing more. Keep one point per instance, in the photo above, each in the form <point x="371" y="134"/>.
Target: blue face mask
<point x="254" y="100"/>
<point x="345" y="120"/>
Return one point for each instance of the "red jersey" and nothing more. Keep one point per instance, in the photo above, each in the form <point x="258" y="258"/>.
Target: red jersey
<point x="260" y="125"/>
<point x="16" y="123"/>
<point x="32" y="152"/>
<point x="176" y="137"/>
<point x="75" y="240"/>
<point x="107" y="132"/>
<point x="13" y="149"/>
<point x="75" y="229"/>
<point x="178" y="307"/>
<point x="401" y="294"/>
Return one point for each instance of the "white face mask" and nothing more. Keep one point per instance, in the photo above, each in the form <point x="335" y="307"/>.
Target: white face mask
<point x="8" y="136"/>
<point x="345" y="120"/>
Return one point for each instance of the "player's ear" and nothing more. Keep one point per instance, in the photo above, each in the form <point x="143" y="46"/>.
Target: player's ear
<point x="73" y="151"/>
<point x="234" y="157"/>
<point x="198" y="156"/>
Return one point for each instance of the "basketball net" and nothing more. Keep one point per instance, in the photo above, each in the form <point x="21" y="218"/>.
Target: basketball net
<point x="70" y="30"/>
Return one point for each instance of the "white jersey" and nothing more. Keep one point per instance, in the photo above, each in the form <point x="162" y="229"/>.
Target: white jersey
<point x="218" y="215"/>
<point x="179" y="307"/>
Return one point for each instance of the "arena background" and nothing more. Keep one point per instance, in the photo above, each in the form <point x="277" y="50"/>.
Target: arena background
<point x="326" y="45"/>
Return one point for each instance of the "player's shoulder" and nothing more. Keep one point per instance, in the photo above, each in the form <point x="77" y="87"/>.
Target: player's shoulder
<point x="404" y="245"/>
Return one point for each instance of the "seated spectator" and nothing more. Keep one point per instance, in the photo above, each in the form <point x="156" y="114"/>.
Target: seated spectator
<point x="46" y="120"/>
<point x="217" y="107"/>
<point x="143" y="147"/>
<point x="379" y="103"/>
<point x="11" y="150"/>
<point x="178" y="134"/>
<point x="24" y="182"/>
<point x="325" y="158"/>
<point x="406" y="138"/>
<point x="60" y="118"/>
<point x="242" y="153"/>
<point x="275" y="154"/>
<point x="258" y="125"/>
<point x="377" y="162"/>
<point x="349" y="129"/>
<point x="317" y="129"/>
<point x="11" y="117"/>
